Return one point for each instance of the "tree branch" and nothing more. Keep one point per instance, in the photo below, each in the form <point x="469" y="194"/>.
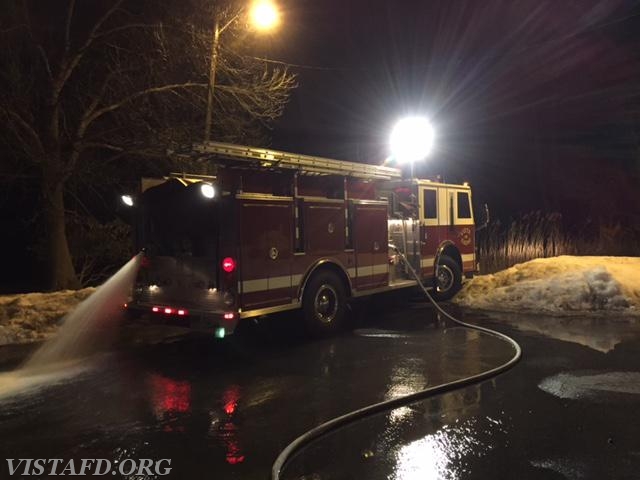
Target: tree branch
<point x="15" y="27"/>
<point x="67" y="28"/>
<point x="26" y="127"/>
<point x="91" y="115"/>
<point x="165" y="88"/>
<point x="38" y="46"/>
<point x="99" y="145"/>
<point x="69" y="65"/>
<point x="123" y="28"/>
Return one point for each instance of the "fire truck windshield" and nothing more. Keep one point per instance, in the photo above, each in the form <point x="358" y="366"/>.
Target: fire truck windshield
<point x="178" y="221"/>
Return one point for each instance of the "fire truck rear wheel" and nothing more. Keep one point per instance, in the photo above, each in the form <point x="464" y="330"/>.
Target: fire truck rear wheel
<point x="448" y="280"/>
<point x="324" y="303"/>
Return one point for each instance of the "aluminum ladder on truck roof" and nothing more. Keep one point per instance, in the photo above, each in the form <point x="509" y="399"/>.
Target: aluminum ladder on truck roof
<point x="304" y="163"/>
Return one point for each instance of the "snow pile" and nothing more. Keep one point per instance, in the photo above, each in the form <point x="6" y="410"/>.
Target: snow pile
<point x="35" y="316"/>
<point x="578" y="385"/>
<point x="564" y="285"/>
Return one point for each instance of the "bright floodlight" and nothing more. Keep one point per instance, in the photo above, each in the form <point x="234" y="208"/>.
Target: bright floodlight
<point x="207" y="190"/>
<point x="412" y="139"/>
<point x="127" y="200"/>
<point x="264" y="14"/>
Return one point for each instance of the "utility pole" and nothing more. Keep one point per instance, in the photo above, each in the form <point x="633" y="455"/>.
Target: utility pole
<point x="264" y="17"/>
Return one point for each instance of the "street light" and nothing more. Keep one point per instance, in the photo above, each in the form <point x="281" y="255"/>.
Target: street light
<point x="264" y="16"/>
<point x="412" y="140"/>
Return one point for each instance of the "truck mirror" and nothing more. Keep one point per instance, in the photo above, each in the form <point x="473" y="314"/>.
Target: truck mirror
<point x="451" y="219"/>
<point x="486" y="219"/>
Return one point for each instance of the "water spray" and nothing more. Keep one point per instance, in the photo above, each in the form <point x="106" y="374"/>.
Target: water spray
<point x="92" y="324"/>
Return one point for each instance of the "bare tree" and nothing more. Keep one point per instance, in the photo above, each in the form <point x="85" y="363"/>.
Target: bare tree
<point x="85" y="82"/>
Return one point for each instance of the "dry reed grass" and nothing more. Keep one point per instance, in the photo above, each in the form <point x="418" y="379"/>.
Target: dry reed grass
<point x="542" y="235"/>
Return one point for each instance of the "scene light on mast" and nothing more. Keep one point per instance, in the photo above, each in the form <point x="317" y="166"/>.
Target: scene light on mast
<point x="412" y="140"/>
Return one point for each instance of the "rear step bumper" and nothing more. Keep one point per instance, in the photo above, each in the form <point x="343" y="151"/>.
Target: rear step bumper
<point x="198" y="320"/>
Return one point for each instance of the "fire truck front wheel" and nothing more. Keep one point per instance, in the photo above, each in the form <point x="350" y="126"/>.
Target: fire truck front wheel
<point x="324" y="303"/>
<point x="448" y="280"/>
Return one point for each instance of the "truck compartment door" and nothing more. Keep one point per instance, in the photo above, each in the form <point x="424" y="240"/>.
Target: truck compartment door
<point x="371" y="245"/>
<point x="266" y="253"/>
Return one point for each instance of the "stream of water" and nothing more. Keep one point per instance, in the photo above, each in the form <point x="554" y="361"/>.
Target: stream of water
<point x="91" y="327"/>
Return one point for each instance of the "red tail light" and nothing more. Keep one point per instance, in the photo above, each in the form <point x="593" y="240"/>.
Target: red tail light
<point x="170" y="311"/>
<point x="145" y="262"/>
<point x="228" y="264"/>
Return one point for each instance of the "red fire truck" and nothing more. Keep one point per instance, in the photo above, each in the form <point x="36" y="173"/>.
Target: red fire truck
<point x="274" y="231"/>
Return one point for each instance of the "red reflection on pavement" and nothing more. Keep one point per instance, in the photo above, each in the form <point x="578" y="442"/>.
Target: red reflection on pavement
<point x="229" y="435"/>
<point x="169" y="397"/>
<point x="230" y="399"/>
<point x="229" y="430"/>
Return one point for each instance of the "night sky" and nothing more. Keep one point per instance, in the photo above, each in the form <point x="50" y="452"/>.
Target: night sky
<point x="534" y="102"/>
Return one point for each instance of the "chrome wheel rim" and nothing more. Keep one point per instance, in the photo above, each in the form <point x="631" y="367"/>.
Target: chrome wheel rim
<point x="444" y="278"/>
<point x="326" y="303"/>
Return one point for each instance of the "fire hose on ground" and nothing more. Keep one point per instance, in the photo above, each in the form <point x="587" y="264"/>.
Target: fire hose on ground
<point x="365" y="412"/>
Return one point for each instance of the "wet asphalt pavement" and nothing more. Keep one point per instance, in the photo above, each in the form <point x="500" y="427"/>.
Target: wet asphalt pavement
<point x="225" y="409"/>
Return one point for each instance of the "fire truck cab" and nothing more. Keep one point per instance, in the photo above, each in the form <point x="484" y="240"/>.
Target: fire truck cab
<point x="274" y="231"/>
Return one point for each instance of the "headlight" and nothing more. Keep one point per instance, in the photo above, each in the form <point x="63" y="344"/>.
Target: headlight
<point x="207" y="190"/>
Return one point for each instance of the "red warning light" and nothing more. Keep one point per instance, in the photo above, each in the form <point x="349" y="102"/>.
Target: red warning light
<point x="228" y="264"/>
<point x="229" y="316"/>
<point x="168" y="311"/>
<point x="182" y="312"/>
<point x="155" y="309"/>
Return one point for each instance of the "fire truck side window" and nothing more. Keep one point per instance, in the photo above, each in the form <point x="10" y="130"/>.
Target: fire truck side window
<point x="430" y="204"/>
<point x="464" y="208"/>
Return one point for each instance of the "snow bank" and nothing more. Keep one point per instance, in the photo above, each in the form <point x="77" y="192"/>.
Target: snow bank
<point x="35" y="316"/>
<point x="563" y="285"/>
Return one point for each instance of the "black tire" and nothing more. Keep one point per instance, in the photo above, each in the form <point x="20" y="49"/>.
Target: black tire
<point x="324" y="303"/>
<point x="448" y="279"/>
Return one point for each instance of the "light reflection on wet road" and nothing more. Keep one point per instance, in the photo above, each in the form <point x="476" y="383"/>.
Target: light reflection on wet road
<point x="566" y="411"/>
<point x="225" y="410"/>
